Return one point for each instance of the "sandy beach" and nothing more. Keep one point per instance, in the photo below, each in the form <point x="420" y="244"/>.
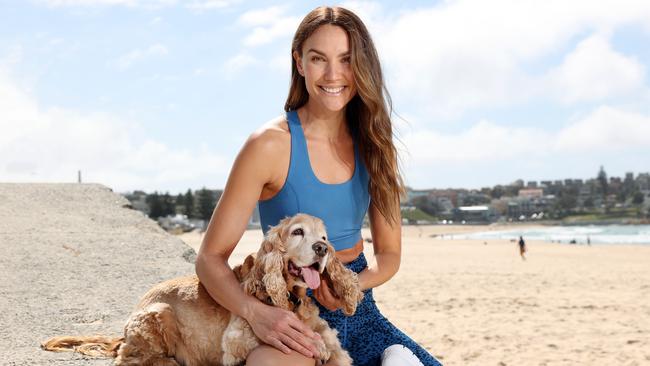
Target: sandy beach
<point x="471" y="302"/>
<point x="87" y="261"/>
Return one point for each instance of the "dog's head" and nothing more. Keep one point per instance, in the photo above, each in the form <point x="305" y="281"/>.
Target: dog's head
<point x="295" y="255"/>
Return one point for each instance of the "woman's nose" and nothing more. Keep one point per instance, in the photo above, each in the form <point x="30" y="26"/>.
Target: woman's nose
<point x="332" y="71"/>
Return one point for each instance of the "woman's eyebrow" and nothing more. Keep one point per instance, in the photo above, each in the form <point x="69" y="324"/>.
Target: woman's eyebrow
<point x="347" y="53"/>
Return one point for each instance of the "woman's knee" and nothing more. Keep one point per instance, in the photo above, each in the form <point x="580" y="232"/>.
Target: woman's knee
<point x="269" y="356"/>
<point x="399" y="355"/>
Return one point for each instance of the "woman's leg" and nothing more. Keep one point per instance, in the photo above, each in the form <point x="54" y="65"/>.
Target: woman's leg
<point x="399" y="355"/>
<point x="269" y="356"/>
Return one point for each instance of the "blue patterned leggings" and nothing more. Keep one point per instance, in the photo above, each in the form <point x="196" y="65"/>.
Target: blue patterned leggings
<point x="367" y="333"/>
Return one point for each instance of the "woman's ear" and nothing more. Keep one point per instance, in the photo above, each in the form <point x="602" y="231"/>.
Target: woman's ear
<point x="344" y="283"/>
<point x="298" y="59"/>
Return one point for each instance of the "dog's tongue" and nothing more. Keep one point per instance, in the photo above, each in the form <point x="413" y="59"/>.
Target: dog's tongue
<point x="311" y="276"/>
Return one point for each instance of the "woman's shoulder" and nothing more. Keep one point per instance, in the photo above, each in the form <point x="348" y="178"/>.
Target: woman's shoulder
<point x="271" y="138"/>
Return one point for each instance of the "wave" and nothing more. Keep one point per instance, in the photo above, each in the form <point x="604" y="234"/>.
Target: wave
<point x="606" y="234"/>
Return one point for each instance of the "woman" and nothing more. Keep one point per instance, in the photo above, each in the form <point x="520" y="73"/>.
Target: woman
<point x="331" y="156"/>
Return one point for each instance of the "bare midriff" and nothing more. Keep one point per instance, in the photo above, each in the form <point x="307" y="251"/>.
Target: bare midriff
<point x="350" y="254"/>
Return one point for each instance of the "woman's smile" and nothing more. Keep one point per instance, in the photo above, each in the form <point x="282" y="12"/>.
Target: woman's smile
<point x="332" y="91"/>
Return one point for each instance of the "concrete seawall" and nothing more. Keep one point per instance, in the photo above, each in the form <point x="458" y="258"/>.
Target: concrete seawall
<point x="75" y="260"/>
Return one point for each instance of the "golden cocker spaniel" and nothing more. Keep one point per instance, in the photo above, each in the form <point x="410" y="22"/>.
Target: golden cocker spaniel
<point x="178" y="323"/>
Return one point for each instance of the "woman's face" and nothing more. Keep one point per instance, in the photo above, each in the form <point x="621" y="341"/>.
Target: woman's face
<point x="325" y="65"/>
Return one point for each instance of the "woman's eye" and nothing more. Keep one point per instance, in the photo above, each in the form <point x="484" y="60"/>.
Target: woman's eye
<point x="346" y="60"/>
<point x="298" y="232"/>
<point x="317" y="58"/>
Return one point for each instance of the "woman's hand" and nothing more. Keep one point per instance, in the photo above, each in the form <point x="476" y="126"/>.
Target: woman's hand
<point x="326" y="297"/>
<point x="283" y="330"/>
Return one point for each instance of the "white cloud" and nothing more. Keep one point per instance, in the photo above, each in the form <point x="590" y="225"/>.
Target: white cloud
<point x="129" y="3"/>
<point x="467" y="54"/>
<point x="594" y="71"/>
<point x="269" y="24"/>
<point x="155" y="21"/>
<point x="50" y="145"/>
<point x="238" y="63"/>
<point x="605" y="129"/>
<point x="195" y="5"/>
<point x="127" y="60"/>
<point x="260" y="17"/>
<point x="281" y="63"/>
<point x="281" y="28"/>
<point x="204" y="5"/>
<point x="483" y="141"/>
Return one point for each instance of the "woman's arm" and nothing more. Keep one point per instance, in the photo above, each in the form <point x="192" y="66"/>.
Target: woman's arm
<point x="250" y="173"/>
<point x="387" y="245"/>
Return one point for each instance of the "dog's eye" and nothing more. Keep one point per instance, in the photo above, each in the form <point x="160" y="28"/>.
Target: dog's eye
<point x="298" y="232"/>
<point x="324" y="239"/>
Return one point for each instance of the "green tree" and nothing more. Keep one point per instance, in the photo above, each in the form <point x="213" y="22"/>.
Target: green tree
<point x="168" y="206"/>
<point x="178" y="201"/>
<point x="206" y="204"/>
<point x="155" y="205"/>
<point x="568" y="198"/>
<point x="188" y="204"/>
<point x="602" y="182"/>
<point x="638" y="198"/>
<point x="497" y="192"/>
<point x="427" y="205"/>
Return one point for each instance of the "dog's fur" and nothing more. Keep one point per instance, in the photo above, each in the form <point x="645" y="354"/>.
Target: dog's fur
<point x="178" y="323"/>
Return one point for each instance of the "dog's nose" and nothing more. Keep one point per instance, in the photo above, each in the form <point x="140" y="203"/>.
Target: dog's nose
<point x="320" y="248"/>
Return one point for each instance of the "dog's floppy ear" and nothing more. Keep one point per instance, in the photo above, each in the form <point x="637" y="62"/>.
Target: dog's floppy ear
<point x="269" y="265"/>
<point x="243" y="270"/>
<point x="343" y="282"/>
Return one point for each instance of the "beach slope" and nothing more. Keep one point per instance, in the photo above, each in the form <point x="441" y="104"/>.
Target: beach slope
<point x="75" y="260"/>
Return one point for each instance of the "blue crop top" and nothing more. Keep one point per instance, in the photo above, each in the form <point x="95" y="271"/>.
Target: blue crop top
<point x="342" y="206"/>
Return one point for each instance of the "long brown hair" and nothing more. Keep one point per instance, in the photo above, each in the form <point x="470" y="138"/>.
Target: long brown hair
<point x="368" y="113"/>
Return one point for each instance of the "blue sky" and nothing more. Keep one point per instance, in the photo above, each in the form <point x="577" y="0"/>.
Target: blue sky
<point x="161" y="94"/>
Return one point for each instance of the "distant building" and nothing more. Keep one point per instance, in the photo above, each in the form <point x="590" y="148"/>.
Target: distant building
<point x="531" y="184"/>
<point x="584" y="193"/>
<point x="445" y="196"/>
<point x="531" y="193"/>
<point x="412" y="193"/>
<point x="179" y="222"/>
<point x="643" y="182"/>
<point x="474" y="214"/>
<point x="527" y="206"/>
<point x="628" y="182"/>
<point x="472" y="198"/>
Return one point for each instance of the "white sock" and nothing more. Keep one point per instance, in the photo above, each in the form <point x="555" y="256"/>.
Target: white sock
<point x="398" y="355"/>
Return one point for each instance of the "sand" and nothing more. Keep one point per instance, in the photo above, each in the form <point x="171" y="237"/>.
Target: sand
<point x="76" y="260"/>
<point x="471" y="303"/>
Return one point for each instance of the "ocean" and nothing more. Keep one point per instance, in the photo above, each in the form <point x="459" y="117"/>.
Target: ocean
<point x="596" y="234"/>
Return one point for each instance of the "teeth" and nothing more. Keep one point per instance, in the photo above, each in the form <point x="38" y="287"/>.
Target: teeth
<point x="332" y="90"/>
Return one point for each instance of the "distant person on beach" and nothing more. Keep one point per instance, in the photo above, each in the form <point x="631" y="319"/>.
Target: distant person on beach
<point x="522" y="248"/>
<point x="331" y="155"/>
